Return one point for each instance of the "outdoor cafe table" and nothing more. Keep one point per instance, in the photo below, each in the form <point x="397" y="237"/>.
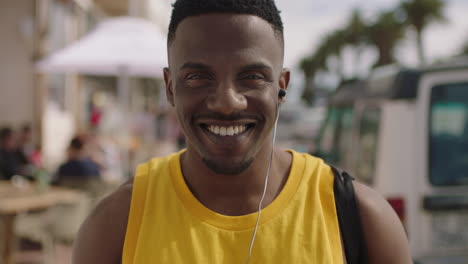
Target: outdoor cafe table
<point x="15" y="200"/>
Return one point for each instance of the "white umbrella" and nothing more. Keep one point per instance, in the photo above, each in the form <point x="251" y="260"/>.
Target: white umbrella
<point x="127" y="45"/>
<point x="122" y="47"/>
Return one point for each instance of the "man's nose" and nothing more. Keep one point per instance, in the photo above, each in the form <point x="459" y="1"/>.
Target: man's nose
<point x="226" y="100"/>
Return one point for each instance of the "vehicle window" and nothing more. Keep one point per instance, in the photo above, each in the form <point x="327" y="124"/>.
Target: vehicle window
<point x="367" y="149"/>
<point x="328" y="136"/>
<point x="345" y="138"/>
<point x="336" y="135"/>
<point x="448" y="135"/>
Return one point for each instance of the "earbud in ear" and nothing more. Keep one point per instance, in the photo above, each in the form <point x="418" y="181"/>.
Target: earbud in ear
<point x="282" y="93"/>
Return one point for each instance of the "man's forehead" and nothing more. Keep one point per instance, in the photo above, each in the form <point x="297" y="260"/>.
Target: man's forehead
<point x="225" y="18"/>
<point x="213" y="23"/>
<point x="218" y="33"/>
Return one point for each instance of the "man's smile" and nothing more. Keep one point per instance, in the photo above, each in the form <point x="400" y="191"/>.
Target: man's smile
<point x="227" y="132"/>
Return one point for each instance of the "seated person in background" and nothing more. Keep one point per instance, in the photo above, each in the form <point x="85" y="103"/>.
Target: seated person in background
<point x="11" y="161"/>
<point x="25" y="145"/>
<point x="23" y="151"/>
<point x="79" y="170"/>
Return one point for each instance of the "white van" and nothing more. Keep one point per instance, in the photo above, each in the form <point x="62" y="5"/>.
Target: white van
<point x="405" y="133"/>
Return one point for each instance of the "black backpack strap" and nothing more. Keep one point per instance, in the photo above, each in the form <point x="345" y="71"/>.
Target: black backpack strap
<point x="348" y="217"/>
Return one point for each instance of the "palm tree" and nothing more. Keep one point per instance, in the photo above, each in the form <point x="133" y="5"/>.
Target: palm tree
<point x="330" y="51"/>
<point x="465" y="49"/>
<point x="385" y="34"/>
<point x="328" y="56"/>
<point x="356" y="35"/>
<point x="355" y="28"/>
<point x="309" y="67"/>
<point x="419" y="14"/>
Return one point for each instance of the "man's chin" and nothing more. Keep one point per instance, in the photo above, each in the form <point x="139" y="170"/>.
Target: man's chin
<point x="228" y="168"/>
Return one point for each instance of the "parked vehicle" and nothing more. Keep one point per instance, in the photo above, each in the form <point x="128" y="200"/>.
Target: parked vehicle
<point x="405" y="133"/>
<point x="297" y="125"/>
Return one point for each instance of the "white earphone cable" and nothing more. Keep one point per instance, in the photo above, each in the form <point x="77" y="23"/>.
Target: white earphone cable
<point x="264" y="189"/>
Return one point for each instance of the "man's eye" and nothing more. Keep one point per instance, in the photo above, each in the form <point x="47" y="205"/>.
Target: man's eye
<point x="254" y="77"/>
<point x="198" y="77"/>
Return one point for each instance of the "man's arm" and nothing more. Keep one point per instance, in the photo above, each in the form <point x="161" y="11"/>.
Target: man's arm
<point x="101" y="237"/>
<point x="385" y="237"/>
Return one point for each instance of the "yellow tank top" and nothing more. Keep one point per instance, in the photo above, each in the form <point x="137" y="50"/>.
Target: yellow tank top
<point x="167" y="224"/>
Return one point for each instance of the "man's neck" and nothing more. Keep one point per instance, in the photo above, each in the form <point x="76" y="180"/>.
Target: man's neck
<point x="236" y="194"/>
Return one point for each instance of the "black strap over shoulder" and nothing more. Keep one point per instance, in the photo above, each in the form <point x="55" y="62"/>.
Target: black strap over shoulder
<point x="348" y="217"/>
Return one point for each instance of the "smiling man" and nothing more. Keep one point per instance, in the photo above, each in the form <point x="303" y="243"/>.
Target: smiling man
<point x="226" y="82"/>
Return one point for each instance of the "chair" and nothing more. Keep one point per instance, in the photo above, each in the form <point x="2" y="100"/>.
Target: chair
<point x="34" y="227"/>
<point x="58" y="224"/>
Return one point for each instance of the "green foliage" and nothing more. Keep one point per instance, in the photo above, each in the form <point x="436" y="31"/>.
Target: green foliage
<point x="419" y="14"/>
<point x="309" y="67"/>
<point x="355" y="29"/>
<point x="465" y="49"/>
<point x="308" y="95"/>
<point x="385" y="34"/>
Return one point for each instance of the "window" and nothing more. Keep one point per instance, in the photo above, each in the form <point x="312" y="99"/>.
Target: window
<point x="336" y="136"/>
<point x="327" y="136"/>
<point x="448" y="134"/>
<point x="345" y="138"/>
<point x="367" y="149"/>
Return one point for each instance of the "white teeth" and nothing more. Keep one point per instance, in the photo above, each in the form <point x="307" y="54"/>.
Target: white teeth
<point x="222" y="131"/>
<point x="226" y="131"/>
<point x="230" y="131"/>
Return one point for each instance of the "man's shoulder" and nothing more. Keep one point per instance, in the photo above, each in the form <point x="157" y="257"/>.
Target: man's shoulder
<point x="158" y="161"/>
<point x="308" y="157"/>
<point x="369" y="199"/>
<point x="116" y="204"/>
<point x="382" y="227"/>
<point x="313" y="165"/>
<point x="102" y="235"/>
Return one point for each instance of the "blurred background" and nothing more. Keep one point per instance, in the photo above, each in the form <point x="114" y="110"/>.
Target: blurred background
<point x="379" y="88"/>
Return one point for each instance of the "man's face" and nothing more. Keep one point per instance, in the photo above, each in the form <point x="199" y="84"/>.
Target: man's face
<point x="26" y="137"/>
<point x="9" y="142"/>
<point x="224" y="75"/>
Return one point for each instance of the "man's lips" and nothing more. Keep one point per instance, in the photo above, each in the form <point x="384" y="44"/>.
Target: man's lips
<point x="221" y="127"/>
<point x="228" y="130"/>
<point x="220" y="119"/>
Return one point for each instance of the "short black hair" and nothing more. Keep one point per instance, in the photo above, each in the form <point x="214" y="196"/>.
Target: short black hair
<point x="5" y="133"/>
<point x="26" y="128"/>
<point x="265" y="9"/>
<point x="76" y="143"/>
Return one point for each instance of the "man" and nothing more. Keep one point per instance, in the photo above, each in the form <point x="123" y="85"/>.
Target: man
<point x="25" y="145"/>
<point x="226" y="81"/>
<point x="79" y="169"/>
<point x="12" y="162"/>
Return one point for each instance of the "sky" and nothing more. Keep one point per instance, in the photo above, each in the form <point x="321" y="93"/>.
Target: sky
<point x="306" y="22"/>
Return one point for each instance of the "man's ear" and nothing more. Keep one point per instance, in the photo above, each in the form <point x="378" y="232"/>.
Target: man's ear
<point x="169" y="87"/>
<point x="284" y="79"/>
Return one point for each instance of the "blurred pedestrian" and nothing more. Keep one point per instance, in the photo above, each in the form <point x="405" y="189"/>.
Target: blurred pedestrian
<point x="12" y="162"/>
<point x="79" y="169"/>
<point x="25" y="144"/>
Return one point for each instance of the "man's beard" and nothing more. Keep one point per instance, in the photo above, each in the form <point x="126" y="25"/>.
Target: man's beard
<point x="234" y="169"/>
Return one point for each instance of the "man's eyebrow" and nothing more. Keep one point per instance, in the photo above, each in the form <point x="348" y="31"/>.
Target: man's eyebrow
<point x="202" y="66"/>
<point x="256" y="66"/>
<point x="194" y="65"/>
